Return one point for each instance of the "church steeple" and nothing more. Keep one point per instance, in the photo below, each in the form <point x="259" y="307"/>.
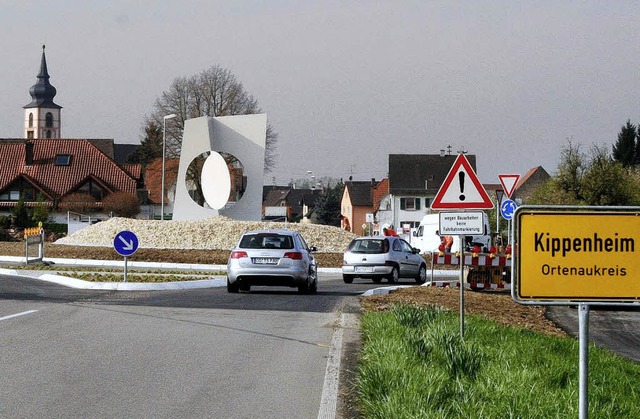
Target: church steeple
<point x="42" y="115"/>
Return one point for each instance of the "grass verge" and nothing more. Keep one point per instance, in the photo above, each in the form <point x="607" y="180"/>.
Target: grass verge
<point x="414" y="365"/>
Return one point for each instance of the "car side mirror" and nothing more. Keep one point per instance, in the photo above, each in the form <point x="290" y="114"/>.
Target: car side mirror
<point x="416" y="250"/>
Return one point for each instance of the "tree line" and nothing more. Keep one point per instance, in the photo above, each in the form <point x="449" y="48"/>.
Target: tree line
<point x="596" y="177"/>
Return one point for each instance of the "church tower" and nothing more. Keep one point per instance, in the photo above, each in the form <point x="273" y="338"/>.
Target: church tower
<point x="42" y="115"/>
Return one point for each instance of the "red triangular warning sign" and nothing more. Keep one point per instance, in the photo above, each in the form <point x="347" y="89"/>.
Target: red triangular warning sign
<point x="461" y="189"/>
<point x="508" y="183"/>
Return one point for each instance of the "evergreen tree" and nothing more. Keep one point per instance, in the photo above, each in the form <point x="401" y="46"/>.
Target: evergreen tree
<point x="625" y="149"/>
<point x="150" y="146"/>
<point x="21" y="214"/>
<point x="327" y="206"/>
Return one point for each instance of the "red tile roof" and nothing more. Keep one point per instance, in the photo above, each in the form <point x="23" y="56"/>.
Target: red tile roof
<point x="57" y="181"/>
<point x="153" y="178"/>
<point x="379" y="192"/>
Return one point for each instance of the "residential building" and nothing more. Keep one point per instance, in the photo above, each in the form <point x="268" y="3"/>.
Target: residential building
<point x="414" y="181"/>
<point x="45" y="169"/>
<point x="286" y="203"/>
<point x="356" y="203"/>
<point x="528" y="183"/>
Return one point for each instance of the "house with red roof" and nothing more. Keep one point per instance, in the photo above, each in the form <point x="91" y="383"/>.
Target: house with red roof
<point x="45" y="169"/>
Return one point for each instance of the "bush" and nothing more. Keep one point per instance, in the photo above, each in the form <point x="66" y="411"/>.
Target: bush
<point x="5" y="221"/>
<point x="21" y="215"/>
<point x="57" y="228"/>
<point x="121" y="204"/>
<point x="79" y="202"/>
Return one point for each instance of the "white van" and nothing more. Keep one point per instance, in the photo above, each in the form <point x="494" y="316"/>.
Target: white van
<point x="426" y="237"/>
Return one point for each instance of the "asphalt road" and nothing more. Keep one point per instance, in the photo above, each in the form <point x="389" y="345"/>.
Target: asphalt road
<point x="166" y="354"/>
<point x="191" y="353"/>
<point x="612" y="327"/>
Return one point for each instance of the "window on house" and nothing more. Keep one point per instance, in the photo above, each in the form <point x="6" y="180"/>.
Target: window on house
<point x="63" y="159"/>
<point x="29" y="194"/>
<point x="4" y="196"/>
<point x="48" y="120"/>
<point x="91" y="188"/>
<point x="31" y="120"/>
<point x="14" y="195"/>
<point x="48" y="133"/>
<point x="410" y="204"/>
<point x="30" y="135"/>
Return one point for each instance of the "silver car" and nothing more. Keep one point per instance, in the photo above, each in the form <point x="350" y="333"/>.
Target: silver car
<point x="272" y="257"/>
<point x="381" y="257"/>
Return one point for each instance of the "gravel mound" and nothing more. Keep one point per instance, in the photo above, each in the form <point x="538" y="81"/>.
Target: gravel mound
<point x="219" y="233"/>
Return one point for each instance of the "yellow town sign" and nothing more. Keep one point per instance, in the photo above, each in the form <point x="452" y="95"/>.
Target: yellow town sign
<point x="577" y="254"/>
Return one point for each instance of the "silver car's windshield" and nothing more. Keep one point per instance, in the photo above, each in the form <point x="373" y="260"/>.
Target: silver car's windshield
<point x="266" y="241"/>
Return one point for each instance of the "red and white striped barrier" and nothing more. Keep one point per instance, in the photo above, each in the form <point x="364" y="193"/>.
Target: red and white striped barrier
<point x="472" y="285"/>
<point x="469" y="260"/>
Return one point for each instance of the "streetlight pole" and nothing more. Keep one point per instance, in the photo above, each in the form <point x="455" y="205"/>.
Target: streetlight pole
<point x="164" y="146"/>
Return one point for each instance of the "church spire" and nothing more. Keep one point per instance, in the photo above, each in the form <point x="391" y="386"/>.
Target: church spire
<point x="42" y="93"/>
<point x="42" y="118"/>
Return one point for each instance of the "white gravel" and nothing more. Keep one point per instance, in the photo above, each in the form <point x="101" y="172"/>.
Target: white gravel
<point x="212" y="233"/>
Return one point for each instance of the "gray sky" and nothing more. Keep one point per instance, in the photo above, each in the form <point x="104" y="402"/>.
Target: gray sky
<point x="344" y="83"/>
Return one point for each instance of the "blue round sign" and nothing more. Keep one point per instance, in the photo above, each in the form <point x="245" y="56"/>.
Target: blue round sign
<point x="125" y="243"/>
<point x="508" y="208"/>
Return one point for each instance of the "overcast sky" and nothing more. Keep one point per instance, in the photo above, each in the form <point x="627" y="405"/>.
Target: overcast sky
<point x="344" y="83"/>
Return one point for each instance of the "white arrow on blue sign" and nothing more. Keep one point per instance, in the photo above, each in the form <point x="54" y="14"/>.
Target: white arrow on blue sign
<point x="125" y="243"/>
<point x="508" y="208"/>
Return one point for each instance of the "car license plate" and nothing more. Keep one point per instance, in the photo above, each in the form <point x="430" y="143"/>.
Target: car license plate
<point x="364" y="269"/>
<point x="265" y="261"/>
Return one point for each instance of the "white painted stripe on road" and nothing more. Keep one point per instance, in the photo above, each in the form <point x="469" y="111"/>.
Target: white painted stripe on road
<point x="11" y="316"/>
<point x="329" y="400"/>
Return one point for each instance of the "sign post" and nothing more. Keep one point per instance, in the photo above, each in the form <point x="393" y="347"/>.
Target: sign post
<point x="461" y="190"/>
<point x="584" y="255"/>
<point x="126" y="244"/>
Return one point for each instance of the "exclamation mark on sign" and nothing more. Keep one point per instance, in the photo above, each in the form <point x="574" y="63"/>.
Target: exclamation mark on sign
<point x="461" y="179"/>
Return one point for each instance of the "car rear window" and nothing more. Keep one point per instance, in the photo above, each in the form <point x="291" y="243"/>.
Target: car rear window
<point x="369" y="246"/>
<point x="266" y="241"/>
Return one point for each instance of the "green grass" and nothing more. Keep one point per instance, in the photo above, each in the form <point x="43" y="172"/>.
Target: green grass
<point x="414" y="365"/>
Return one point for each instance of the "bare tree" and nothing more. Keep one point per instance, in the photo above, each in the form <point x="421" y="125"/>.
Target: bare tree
<point x="213" y="92"/>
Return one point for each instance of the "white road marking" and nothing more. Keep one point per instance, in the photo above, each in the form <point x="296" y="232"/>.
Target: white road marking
<point x="24" y="313"/>
<point x="328" y="402"/>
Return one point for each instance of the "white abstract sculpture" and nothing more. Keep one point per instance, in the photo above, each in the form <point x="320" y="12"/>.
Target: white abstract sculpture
<point x="244" y="137"/>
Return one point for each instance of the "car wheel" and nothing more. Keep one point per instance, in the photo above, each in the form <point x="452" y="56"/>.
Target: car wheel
<point x="232" y="288"/>
<point x="347" y="279"/>
<point x="304" y="288"/>
<point x="245" y="287"/>
<point x="313" y="275"/>
<point x="377" y="279"/>
<point x="394" y="276"/>
<point x="422" y="275"/>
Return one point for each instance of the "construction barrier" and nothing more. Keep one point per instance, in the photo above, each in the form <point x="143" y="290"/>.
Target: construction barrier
<point x="486" y="271"/>
<point x="34" y="235"/>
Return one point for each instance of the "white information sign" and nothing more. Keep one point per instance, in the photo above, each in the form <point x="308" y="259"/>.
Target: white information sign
<point x="461" y="223"/>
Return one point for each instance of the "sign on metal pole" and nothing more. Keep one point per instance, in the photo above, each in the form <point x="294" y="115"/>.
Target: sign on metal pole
<point x="507" y="209"/>
<point x="461" y="189"/>
<point x="583" y="255"/>
<point x="461" y="223"/>
<point x="126" y="244"/>
<point x="577" y="254"/>
<point x="509" y="183"/>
